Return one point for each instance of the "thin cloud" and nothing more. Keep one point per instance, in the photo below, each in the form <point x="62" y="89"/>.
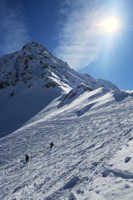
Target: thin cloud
<point x="80" y="39"/>
<point x="68" y="5"/>
<point x="13" y="29"/>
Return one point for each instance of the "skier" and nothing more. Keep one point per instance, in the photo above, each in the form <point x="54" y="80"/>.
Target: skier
<point x="26" y="158"/>
<point x="51" y="145"/>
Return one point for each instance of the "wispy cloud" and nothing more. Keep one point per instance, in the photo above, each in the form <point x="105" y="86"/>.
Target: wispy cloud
<point x="14" y="32"/>
<point x="80" y="39"/>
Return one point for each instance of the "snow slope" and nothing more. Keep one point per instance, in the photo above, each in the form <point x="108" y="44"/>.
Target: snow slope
<point x="90" y="122"/>
<point x="92" y="157"/>
<point x="29" y="80"/>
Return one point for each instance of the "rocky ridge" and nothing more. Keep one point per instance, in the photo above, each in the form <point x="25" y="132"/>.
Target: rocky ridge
<point x="35" y="65"/>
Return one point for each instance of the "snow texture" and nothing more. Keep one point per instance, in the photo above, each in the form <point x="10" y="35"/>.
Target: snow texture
<point x="91" y="128"/>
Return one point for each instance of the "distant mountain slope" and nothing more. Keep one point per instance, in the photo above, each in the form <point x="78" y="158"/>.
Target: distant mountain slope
<point x="107" y="84"/>
<point x="96" y="83"/>
<point x="30" y="79"/>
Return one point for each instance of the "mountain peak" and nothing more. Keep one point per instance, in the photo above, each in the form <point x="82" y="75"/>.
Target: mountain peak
<point x="34" y="65"/>
<point x="42" y="77"/>
<point x="34" y="46"/>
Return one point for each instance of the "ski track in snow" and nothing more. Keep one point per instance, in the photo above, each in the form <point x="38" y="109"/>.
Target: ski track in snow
<point x="83" y="147"/>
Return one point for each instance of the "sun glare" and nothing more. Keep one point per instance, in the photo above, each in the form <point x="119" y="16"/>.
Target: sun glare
<point x="109" y="25"/>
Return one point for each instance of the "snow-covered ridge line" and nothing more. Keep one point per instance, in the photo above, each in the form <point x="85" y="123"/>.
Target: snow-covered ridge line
<point x="34" y="62"/>
<point x="30" y="79"/>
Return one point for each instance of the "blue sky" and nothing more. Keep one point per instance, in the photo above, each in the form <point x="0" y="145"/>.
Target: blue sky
<point x="69" y="29"/>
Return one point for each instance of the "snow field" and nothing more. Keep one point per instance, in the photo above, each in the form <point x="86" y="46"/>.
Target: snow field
<point x="91" y="159"/>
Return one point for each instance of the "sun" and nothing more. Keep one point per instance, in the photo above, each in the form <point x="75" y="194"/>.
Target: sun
<point x="109" y="25"/>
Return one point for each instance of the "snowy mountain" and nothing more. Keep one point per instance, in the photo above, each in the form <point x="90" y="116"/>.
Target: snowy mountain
<point x="35" y="64"/>
<point x="90" y="122"/>
<point x="29" y="80"/>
